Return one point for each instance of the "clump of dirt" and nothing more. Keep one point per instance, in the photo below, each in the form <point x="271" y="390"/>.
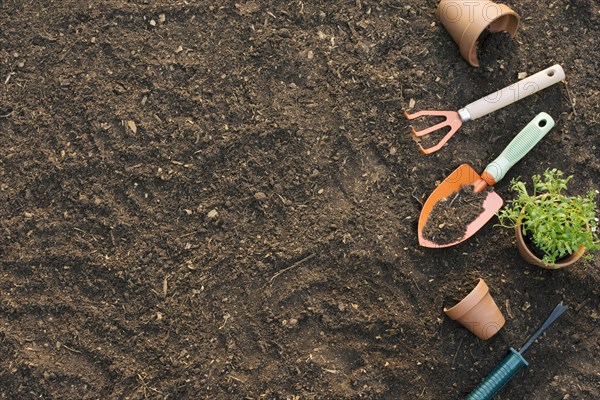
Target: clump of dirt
<point x="492" y="48"/>
<point x="449" y="218"/>
<point x="462" y="288"/>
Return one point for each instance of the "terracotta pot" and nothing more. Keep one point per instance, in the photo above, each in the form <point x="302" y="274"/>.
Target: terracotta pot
<point x="535" y="260"/>
<point x="478" y="312"/>
<point x="465" y="20"/>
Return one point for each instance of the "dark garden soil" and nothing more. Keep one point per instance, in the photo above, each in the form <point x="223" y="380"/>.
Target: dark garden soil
<point x="535" y="249"/>
<point x="219" y="200"/>
<point x="461" y="289"/>
<point x="450" y="217"/>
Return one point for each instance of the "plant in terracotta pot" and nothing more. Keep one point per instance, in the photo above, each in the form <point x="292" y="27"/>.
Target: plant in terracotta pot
<point x="553" y="229"/>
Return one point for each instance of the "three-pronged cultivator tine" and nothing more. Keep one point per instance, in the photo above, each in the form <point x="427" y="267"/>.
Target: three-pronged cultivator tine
<point x="431" y="129"/>
<point x="452" y="120"/>
<point x="441" y="143"/>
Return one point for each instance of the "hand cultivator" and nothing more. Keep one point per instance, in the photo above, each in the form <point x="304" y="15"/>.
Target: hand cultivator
<point x="486" y="105"/>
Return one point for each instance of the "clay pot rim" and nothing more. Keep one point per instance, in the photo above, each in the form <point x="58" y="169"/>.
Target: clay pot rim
<point x="469" y="301"/>
<point x="535" y="260"/>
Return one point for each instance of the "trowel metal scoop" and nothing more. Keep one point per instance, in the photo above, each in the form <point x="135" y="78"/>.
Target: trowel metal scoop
<point x="512" y="363"/>
<point x="465" y="175"/>
<point x="490" y="103"/>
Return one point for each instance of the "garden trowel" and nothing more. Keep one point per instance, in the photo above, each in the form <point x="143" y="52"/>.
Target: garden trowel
<point x="465" y="176"/>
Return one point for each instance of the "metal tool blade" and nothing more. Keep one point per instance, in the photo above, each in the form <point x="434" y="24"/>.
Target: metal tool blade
<point x="557" y="312"/>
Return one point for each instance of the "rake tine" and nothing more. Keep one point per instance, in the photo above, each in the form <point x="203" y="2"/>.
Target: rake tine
<point x="425" y="113"/>
<point x="453" y="120"/>
<point x="442" y="142"/>
<point x="434" y="128"/>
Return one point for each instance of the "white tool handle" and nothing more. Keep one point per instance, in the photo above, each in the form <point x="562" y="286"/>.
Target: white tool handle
<point x="515" y="92"/>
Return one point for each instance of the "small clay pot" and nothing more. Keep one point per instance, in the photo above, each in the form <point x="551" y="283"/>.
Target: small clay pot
<point x="465" y="20"/>
<point x="478" y="312"/>
<point x="531" y="258"/>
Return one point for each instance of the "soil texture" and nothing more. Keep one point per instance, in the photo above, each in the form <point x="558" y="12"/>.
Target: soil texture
<point x="219" y="200"/>
<point x="449" y="218"/>
<point x="461" y="290"/>
<point x="535" y="249"/>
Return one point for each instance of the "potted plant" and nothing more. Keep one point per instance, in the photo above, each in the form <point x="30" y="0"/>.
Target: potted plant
<point x="553" y="229"/>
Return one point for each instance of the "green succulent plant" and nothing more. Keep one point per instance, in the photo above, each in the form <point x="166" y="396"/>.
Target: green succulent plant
<point x="555" y="222"/>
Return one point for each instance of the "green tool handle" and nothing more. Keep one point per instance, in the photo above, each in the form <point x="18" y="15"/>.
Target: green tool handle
<point x="499" y="377"/>
<point x="525" y="140"/>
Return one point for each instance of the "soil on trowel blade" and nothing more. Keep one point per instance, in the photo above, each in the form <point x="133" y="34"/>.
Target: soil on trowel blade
<point x="449" y="218"/>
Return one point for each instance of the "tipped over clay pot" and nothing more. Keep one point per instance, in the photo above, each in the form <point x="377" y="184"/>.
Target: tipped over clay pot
<point x="478" y="312"/>
<point x="465" y="20"/>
